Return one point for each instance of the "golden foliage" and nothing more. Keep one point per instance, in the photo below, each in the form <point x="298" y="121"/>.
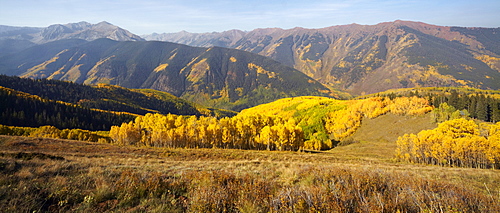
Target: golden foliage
<point x="261" y="70"/>
<point x="160" y="67"/>
<point x="343" y="123"/>
<point x="241" y="132"/>
<point x="198" y="70"/>
<point x="410" y="106"/>
<point x="53" y="132"/>
<point x="326" y="119"/>
<point x="491" y="61"/>
<point x="43" y="65"/>
<point x="455" y="142"/>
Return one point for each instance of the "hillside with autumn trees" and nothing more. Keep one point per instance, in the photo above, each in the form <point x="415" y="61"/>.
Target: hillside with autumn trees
<point x="293" y="154"/>
<point x="286" y="155"/>
<point x="315" y="123"/>
<point x="154" y="118"/>
<point x="479" y="104"/>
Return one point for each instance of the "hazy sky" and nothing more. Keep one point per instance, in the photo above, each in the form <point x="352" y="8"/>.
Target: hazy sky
<point x="148" y="16"/>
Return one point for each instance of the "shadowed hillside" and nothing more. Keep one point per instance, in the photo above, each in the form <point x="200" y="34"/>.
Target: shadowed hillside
<point x="214" y="77"/>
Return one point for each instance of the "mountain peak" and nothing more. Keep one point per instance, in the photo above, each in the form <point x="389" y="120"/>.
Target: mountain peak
<point x="104" y="23"/>
<point x="81" y="30"/>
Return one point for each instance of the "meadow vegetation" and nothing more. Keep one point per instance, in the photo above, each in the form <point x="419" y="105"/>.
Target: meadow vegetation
<point x="328" y="156"/>
<point x="51" y="175"/>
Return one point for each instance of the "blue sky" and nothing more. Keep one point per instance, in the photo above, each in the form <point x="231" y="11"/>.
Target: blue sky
<point x="148" y="16"/>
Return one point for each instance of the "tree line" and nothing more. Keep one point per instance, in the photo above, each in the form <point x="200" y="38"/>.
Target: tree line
<point x="239" y="132"/>
<point x="478" y="104"/>
<point x="53" y="132"/>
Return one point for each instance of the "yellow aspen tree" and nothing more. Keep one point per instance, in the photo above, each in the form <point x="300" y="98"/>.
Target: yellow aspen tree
<point x="410" y="106"/>
<point x="172" y="140"/>
<point x="342" y="123"/>
<point x="192" y="131"/>
<point x="114" y="134"/>
<point x="493" y="152"/>
<point x="298" y="138"/>
<point x="131" y="133"/>
<point x="266" y="137"/>
<point x="244" y="132"/>
<point x="275" y="137"/>
<point x="202" y="126"/>
<point x="459" y="128"/>
<point x="422" y="146"/>
<point x="214" y="135"/>
<point x="181" y="136"/>
<point x="283" y="136"/>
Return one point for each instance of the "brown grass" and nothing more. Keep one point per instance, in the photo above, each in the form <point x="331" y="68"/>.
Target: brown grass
<point x="73" y="176"/>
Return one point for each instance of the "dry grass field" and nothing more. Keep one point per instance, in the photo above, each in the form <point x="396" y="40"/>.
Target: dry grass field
<point x="49" y="175"/>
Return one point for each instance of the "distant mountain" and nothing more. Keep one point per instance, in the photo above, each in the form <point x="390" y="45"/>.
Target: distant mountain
<point x="372" y="58"/>
<point x="13" y="39"/>
<point x="224" y="39"/>
<point x="214" y="77"/>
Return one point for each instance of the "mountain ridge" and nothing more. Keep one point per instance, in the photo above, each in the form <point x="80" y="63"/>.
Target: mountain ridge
<point x="359" y="59"/>
<point x="373" y="58"/>
<point x="15" y="39"/>
<point x="214" y="77"/>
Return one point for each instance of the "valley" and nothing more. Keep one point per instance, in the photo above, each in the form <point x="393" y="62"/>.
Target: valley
<point x="394" y="117"/>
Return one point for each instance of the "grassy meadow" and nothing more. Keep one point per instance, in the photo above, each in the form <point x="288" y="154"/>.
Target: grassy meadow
<point x="361" y="175"/>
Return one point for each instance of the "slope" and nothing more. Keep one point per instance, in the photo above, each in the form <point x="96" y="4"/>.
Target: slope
<point x="107" y="97"/>
<point x="22" y="109"/>
<point x="387" y="128"/>
<point x="327" y="122"/>
<point x="214" y="77"/>
<point x="373" y="58"/>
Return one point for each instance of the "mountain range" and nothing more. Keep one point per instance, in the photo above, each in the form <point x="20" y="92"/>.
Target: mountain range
<point x="239" y="69"/>
<point x="13" y="39"/>
<point x="214" y="77"/>
<point x="371" y="58"/>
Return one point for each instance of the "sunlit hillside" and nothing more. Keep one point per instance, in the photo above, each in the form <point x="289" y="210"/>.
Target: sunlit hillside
<point x="326" y="122"/>
<point x="301" y="154"/>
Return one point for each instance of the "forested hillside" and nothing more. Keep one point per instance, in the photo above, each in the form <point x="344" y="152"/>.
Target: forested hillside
<point x="213" y="77"/>
<point x="108" y="97"/>
<point x="372" y="58"/>
<point x="287" y="124"/>
<point x="22" y="109"/>
<point x="480" y="104"/>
